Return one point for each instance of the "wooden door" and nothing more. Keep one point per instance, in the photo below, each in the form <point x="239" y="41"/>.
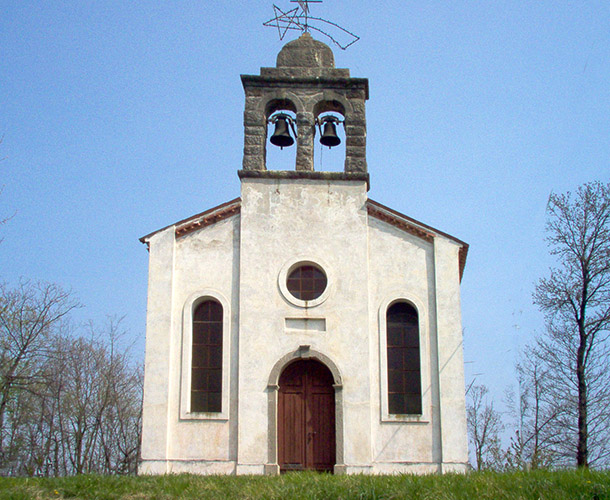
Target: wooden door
<point x="306" y="417"/>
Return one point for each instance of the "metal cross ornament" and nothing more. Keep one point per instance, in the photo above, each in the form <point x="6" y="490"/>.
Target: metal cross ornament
<point x="304" y="4"/>
<point x="300" y="20"/>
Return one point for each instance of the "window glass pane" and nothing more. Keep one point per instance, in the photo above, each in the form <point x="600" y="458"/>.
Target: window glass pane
<point x="201" y="312"/>
<point x="215" y="338"/>
<point x="306" y="282"/>
<point x="395" y="336"/>
<point x="395" y="360"/>
<point x="413" y="404"/>
<point x="214" y="402"/>
<point x="199" y="333"/>
<point x="215" y="327"/>
<point x="215" y="311"/>
<point x="199" y="401"/>
<point x="206" y="374"/>
<point x="396" y="403"/>
<point x="395" y="381"/>
<point x="215" y="360"/>
<point x="199" y="380"/>
<point x="404" y="374"/>
<point x="411" y="334"/>
<point x="412" y="382"/>
<point x="200" y="356"/>
<point x="411" y="359"/>
<point x="209" y="310"/>
<point x="215" y="380"/>
<point x="293" y="282"/>
<point x="306" y="273"/>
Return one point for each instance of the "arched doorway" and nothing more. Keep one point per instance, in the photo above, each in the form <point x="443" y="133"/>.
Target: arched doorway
<point x="306" y="417"/>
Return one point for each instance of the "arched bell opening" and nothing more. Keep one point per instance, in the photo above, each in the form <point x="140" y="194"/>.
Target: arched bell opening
<point x="281" y="135"/>
<point x="330" y="136"/>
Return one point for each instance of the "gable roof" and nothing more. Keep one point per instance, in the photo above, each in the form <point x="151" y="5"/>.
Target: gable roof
<point x="373" y="208"/>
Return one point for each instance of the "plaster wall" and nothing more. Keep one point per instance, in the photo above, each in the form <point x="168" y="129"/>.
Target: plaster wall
<point x="450" y="357"/>
<point x="426" y="274"/>
<point x="285" y="221"/>
<point x="402" y="268"/>
<point x="202" y="263"/>
<point x="243" y="261"/>
<point x="157" y="363"/>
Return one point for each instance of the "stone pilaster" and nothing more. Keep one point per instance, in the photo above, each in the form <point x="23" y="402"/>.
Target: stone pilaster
<point x="255" y="132"/>
<point x="305" y="127"/>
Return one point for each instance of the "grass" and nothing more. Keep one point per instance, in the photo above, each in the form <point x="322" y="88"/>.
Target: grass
<point x="537" y="485"/>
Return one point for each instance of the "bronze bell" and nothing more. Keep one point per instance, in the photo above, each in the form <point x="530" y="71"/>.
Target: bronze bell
<point x="329" y="135"/>
<point x="281" y="137"/>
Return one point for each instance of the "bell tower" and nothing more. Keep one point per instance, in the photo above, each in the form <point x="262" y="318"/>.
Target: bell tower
<point x="306" y="95"/>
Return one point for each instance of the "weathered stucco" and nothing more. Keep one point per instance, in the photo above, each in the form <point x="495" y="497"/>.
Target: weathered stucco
<point x="240" y="254"/>
<point x="306" y="220"/>
<point x="242" y="261"/>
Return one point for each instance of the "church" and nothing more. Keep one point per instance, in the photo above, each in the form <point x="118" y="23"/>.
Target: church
<point x="303" y="326"/>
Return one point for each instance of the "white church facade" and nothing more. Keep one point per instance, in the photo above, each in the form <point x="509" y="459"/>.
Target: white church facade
<point x="303" y="325"/>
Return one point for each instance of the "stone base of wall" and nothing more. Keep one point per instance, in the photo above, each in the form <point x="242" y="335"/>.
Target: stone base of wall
<point x="353" y="469"/>
<point x="207" y="467"/>
<point x="460" y="468"/>
<point x="418" y="468"/>
<point x="203" y="467"/>
<point x="272" y="470"/>
<point x="250" y="469"/>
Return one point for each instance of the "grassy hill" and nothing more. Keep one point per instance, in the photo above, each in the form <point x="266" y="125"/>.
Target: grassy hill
<point x="537" y="485"/>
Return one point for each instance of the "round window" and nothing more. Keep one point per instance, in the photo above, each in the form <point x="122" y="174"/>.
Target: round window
<point x="306" y="282"/>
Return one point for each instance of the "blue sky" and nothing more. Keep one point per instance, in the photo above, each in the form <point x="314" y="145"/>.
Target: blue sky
<point x="120" y="118"/>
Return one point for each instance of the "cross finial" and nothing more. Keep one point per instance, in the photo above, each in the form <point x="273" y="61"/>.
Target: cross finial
<point x="304" y="4"/>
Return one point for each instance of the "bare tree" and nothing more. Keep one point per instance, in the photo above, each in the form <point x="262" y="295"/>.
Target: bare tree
<point x="70" y="398"/>
<point x="99" y="402"/>
<point x="536" y="411"/>
<point x="82" y="411"/>
<point x="576" y="301"/>
<point x="484" y="428"/>
<point x="28" y="315"/>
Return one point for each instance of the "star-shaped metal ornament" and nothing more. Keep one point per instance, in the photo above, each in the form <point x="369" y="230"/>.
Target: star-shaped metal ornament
<point x="284" y="21"/>
<point x="299" y="19"/>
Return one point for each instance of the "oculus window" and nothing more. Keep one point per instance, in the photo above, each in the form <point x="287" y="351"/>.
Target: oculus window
<point x="306" y="282"/>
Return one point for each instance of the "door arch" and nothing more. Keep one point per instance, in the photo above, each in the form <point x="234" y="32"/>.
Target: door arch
<point x="306" y="417"/>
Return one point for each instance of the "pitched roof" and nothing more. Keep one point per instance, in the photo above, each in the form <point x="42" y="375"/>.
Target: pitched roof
<point x="374" y="209"/>
<point x="414" y="227"/>
<point x="200" y="220"/>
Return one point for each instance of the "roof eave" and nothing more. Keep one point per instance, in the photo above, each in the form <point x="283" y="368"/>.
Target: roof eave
<point x="419" y="229"/>
<point x="199" y="220"/>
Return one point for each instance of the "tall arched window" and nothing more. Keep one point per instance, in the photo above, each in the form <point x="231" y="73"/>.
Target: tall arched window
<point x="404" y="372"/>
<point x="206" y="367"/>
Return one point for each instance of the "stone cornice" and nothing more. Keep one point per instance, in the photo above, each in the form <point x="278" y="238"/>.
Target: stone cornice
<point x="314" y="81"/>
<point x="305" y="174"/>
